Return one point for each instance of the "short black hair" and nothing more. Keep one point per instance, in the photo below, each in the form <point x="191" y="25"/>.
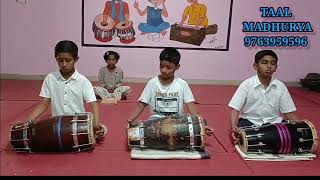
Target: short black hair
<point x="110" y="53"/>
<point x="66" y="46"/>
<point x="259" y="55"/>
<point x="170" y="54"/>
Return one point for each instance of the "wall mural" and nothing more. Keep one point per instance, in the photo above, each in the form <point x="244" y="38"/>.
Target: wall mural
<point x="184" y="24"/>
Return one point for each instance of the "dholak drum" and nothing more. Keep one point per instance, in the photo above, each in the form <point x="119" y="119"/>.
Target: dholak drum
<point x="125" y="32"/>
<point x="101" y="32"/>
<point x="57" y="134"/>
<point x="168" y="133"/>
<point x="281" y="138"/>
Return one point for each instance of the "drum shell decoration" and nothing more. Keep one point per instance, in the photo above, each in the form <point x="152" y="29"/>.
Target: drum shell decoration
<point x="125" y="32"/>
<point x="56" y="134"/>
<point x="168" y="133"/>
<point x="103" y="33"/>
<point x="281" y="138"/>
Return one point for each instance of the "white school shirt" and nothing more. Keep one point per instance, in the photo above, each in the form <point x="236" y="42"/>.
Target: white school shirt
<point x="166" y="100"/>
<point x="260" y="105"/>
<point x="67" y="96"/>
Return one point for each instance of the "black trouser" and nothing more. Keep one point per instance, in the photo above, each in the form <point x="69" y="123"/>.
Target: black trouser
<point x="245" y="122"/>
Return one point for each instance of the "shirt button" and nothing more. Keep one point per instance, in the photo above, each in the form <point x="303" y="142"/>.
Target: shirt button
<point x="65" y="104"/>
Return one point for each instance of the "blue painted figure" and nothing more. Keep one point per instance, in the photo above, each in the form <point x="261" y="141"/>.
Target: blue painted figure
<point x="155" y="23"/>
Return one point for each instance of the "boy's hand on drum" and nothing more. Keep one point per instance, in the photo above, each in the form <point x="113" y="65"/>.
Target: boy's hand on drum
<point x="100" y="132"/>
<point x="132" y="123"/>
<point x="235" y="135"/>
<point x="126" y="23"/>
<point x="208" y="131"/>
<point x="30" y="120"/>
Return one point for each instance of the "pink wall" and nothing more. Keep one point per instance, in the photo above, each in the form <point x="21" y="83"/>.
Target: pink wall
<point x="29" y="33"/>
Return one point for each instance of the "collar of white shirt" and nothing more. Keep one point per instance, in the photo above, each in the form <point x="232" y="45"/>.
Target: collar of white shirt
<point x="257" y="82"/>
<point x="74" y="76"/>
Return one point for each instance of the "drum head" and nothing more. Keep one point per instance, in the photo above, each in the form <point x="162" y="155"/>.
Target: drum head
<point x="133" y="134"/>
<point x="18" y="136"/>
<point x="123" y="25"/>
<point x="314" y="135"/>
<point x="202" y="131"/>
<point x="128" y="139"/>
<point x="91" y="133"/>
<point x="243" y="142"/>
<point x="99" y="19"/>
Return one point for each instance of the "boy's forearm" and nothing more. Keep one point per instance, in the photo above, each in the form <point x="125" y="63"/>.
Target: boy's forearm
<point x="39" y="109"/>
<point x="126" y="17"/>
<point x="137" y="111"/>
<point x="164" y="10"/>
<point x="234" y="115"/>
<point x="183" y="19"/>
<point x="200" y="21"/>
<point x="95" y="111"/>
<point x="192" y="108"/>
<point x="291" y="116"/>
<point x="36" y="113"/>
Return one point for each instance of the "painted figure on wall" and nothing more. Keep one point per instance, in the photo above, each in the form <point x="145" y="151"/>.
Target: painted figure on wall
<point x="196" y="14"/>
<point x="196" y="29"/>
<point x="155" y="23"/>
<point x="117" y="10"/>
<point x="115" y="21"/>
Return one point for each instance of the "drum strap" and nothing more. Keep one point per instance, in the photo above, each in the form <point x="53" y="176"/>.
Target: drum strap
<point x="141" y="134"/>
<point x="59" y="133"/>
<point x="191" y="132"/>
<point x="25" y="136"/>
<point x="74" y="132"/>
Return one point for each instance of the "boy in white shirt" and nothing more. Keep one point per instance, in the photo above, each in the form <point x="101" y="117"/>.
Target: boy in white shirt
<point x="166" y="94"/>
<point x="66" y="89"/>
<point x="261" y="99"/>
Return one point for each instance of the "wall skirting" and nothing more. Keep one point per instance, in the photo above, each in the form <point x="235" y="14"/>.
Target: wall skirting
<point x="139" y="80"/>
